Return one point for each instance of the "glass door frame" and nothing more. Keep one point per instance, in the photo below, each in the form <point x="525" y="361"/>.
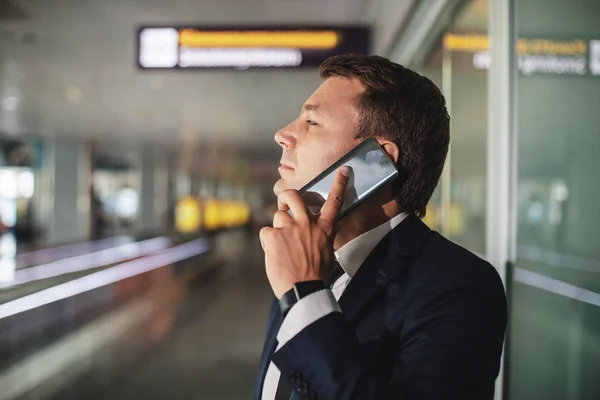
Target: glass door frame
<point x="502" y="154"/>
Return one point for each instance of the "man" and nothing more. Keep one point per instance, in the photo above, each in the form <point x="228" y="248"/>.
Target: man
<point x="412" y="316"/>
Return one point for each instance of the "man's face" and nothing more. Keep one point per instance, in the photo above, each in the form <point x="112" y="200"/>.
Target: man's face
<point x="322" y="133"/>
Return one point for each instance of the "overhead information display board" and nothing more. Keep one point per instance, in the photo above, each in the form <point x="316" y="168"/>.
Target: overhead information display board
<point x="243" y="48"/>
<point x="575" y="56"/>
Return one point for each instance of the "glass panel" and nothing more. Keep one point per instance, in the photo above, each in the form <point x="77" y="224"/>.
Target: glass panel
<point x="456" y="65"/>
<point x="469" y="130"/>
<point x="555" y="317"/>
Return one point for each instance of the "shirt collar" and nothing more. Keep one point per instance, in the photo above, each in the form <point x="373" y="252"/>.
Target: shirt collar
<point x="355" y="252"/>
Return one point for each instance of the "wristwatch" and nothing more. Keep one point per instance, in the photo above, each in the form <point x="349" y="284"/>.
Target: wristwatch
<point x="300" y="290"/>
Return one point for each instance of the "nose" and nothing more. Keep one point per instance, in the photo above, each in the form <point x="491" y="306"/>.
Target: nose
<point x="286" y="138"/>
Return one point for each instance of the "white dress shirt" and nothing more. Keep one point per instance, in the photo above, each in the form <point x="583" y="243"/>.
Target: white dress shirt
<point x="319" y="304"/>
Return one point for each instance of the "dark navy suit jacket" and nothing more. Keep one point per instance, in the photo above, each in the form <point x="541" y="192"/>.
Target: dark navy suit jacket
<point x="422" y="319"/>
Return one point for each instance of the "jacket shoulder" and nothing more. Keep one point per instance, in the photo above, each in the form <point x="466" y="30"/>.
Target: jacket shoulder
<point x="444" y="273"/>
<point x="442" y="260"/>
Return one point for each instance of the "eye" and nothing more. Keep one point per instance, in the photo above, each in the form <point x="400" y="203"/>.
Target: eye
<point x="311" y="122"/>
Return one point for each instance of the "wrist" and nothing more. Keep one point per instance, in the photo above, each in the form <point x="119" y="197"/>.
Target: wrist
<point x="282" y="287"/>
<point x="297" y="292"/>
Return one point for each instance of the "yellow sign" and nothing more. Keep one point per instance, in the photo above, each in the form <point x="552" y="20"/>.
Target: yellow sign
<point x="542" y="46"/>
<point x="466" y="43"/>
<point x="472" y="43"/>
<point x="240" y="39"/>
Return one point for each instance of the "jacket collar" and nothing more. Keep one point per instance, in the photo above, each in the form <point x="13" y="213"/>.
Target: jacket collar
<point x="390" y="257"/>
<point x="354" y="253"/>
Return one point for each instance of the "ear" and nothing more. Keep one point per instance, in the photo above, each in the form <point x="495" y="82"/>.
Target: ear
<point x="391" y="148"/>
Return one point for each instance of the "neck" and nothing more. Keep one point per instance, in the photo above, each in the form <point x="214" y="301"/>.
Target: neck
<point x="367" y="216"/>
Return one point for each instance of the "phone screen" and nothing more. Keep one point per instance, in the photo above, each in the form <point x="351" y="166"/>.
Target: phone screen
<point x="371" y="168"/>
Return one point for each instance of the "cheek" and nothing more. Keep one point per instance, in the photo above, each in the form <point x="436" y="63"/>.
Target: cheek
<point x="318" y="159"/>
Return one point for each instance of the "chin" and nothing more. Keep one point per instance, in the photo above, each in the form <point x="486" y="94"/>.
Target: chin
<point x="282" y="185"/>
<point x="279" y="187"/>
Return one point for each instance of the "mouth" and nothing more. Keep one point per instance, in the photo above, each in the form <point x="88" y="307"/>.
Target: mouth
<point x="285" y="167"/>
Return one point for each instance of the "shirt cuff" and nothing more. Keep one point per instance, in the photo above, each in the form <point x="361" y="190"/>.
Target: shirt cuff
<point x="305" y="312"/>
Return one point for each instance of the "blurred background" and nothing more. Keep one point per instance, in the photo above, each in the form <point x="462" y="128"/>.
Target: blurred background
<point x="137" y="162"/>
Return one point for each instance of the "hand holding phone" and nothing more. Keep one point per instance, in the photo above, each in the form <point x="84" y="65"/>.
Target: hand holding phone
<point x="300" y="249"/>
<point x="370" y="169"/>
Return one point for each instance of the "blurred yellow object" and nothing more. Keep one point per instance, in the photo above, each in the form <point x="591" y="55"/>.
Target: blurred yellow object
<point x="432" y="216"/>
<point x="211" y="214"/>
<point x="457" y="219"/>
<point x="188" y="215"/>
<point x="219" y="214"/>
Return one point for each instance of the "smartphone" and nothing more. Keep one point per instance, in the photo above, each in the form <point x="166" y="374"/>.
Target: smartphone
<point x="370" y="169"/>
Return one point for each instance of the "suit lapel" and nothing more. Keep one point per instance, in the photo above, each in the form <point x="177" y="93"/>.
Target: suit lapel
<point x="273" y="325"/>
<point x="390" y="257"/>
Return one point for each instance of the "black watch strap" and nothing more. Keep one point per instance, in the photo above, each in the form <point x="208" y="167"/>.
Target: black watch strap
<point x="300" y="290"/>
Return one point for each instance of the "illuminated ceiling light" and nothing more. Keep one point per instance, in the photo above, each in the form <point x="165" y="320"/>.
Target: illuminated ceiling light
<point x="10" y="103"/>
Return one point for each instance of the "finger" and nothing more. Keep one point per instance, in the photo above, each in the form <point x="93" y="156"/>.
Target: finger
<point x="265" y="235"/>
<point x="294" y="203"/>
<point x="281" y="219"/>
<point x="281" y="206"/>
<point x="335" y="199"/>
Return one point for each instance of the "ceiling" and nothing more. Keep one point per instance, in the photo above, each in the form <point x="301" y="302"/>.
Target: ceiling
<point x="474" y="18"/>
<point x="67" y="67"/>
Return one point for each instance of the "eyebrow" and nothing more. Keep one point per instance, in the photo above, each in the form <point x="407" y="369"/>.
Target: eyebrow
<point x="311" y="107"/>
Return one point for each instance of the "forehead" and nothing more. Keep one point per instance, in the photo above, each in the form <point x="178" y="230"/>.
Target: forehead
<point x="336" y="93"/>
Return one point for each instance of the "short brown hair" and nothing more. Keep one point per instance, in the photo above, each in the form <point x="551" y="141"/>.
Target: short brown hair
<point x="402" y="106"/>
